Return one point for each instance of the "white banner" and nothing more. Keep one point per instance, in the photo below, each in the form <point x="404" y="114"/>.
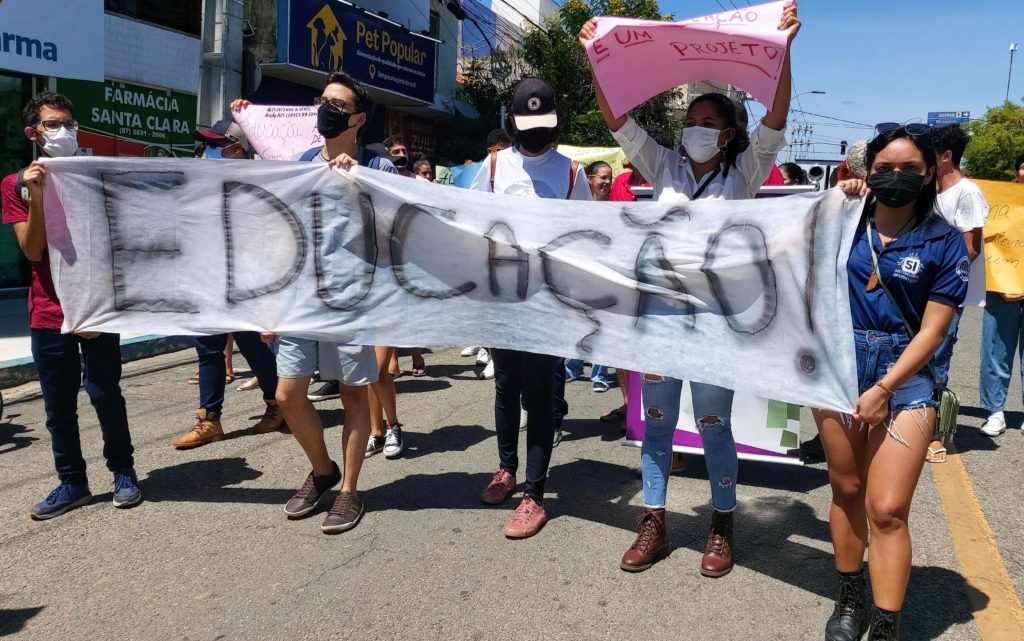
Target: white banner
<point x="53" y="38"/>
<point x="749" y="295"/>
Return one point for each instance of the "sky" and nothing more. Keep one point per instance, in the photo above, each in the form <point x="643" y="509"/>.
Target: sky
<point x="894" y="60"/>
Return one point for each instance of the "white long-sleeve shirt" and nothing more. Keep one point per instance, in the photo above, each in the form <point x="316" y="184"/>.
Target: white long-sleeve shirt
<point x="671" y="175"/>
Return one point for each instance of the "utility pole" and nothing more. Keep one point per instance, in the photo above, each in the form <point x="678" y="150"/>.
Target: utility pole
<point x="1009" y="74"/>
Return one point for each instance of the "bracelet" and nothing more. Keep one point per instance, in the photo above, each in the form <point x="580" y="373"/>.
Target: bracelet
<point x="885" y="389"/>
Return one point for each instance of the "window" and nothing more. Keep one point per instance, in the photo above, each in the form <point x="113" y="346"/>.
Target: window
<point x="435" y="25"/>
<point x="180" y="15"/>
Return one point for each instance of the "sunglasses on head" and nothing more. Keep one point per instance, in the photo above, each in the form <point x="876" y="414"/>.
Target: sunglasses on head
<point x="915" y="129"/>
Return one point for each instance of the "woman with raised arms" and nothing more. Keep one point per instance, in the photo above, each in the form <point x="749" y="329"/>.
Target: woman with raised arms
<point x="716" y="159"/>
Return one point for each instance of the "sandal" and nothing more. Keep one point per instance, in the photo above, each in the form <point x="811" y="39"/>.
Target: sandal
<point x="252" y="383"/>
<point x="419" y="368"/>
<point x="395" y="374"/>
<point x="194" y="379"/>
<point x="229" y="378"/>
<point x="616" y="415"/>
<point x="937" y="455"/>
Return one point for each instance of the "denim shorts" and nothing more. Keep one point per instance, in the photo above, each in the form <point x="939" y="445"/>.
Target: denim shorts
<point x="348" y="364"/>
<point x="876" y="354"/>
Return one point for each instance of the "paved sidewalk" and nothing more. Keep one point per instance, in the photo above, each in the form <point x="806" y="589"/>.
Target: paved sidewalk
<point x="16" y="366"/>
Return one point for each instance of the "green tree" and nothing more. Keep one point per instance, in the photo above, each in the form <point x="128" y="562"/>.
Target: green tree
<point x="552" y="52"/>
<point x="996" y="142"/>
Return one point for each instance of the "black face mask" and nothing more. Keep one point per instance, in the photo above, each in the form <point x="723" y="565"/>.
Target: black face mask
<point x="896" y="188"/>
<point x="331" y="122"/>
<point x="400" y="162"/>
<point x="535" y="140"/>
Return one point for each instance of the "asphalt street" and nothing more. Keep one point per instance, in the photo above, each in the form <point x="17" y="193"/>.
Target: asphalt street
<point x="210" y="554"/>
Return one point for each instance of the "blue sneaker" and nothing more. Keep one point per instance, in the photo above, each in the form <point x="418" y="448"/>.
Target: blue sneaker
<point x="67" y="496"/>
<point x="126" y="488"/>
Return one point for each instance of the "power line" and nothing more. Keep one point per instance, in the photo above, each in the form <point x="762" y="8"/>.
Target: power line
<point x="851" y="122"/>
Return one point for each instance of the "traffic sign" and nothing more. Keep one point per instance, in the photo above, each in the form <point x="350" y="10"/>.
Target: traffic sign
<point x="948" y="117"/>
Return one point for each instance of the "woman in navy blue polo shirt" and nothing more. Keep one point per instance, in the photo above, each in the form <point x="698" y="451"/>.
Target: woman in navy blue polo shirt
<point x="875" y="457"/>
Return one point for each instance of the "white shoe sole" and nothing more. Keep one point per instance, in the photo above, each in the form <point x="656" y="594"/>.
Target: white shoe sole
<point x="992" y="434"/>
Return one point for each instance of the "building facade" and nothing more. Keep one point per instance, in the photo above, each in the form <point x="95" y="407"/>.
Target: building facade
<point x="141" y="60"/>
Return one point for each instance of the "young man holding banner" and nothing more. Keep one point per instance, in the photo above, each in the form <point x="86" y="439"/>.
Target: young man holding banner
<point x="50" y="124"/>
<point x="715" y="160"/>
<point x="343" y="108"/>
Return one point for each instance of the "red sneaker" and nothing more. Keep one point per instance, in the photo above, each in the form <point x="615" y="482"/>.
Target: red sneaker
<point x="502" y="486"/>
<point x="529" y="518"/>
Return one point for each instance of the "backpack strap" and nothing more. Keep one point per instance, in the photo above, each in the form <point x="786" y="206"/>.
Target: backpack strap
<point x="20" y="188"/>
<point x="573" y="168"/>
<point x="494" y="167"/>
<point x="310" y="154"/>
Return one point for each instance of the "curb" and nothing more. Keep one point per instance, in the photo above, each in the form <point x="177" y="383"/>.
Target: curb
<point x="19" y="371"/>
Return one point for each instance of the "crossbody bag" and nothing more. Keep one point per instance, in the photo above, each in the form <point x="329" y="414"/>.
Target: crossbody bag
<point x="949" y="402"/>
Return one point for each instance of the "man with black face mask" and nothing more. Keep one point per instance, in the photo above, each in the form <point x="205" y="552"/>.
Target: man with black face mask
<point x="399" y="153"/>
<point x="344" y="107"/>
<point x="531" y="167"/>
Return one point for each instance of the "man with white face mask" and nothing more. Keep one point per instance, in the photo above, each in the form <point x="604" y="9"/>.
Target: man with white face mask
<point x="50" y="124"/>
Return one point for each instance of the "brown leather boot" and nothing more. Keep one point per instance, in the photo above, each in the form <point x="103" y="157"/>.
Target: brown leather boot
<point x="651" y="543"/>
<point x="717" y="559"/>
<point x="206" y="430"/>
<point x="271" y="421"/>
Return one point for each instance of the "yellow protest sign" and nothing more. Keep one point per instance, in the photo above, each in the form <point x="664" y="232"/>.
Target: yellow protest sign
<point x="586" y="155"/>
<point x="1004" y="236"/>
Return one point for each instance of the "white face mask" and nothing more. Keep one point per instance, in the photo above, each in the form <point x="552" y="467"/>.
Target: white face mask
<point x="59" y="144"/>
<point x="700" y="143"/>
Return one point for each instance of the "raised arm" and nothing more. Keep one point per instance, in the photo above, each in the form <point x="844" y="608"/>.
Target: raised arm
<point x="588" y="32"/>
<point x="776" y="116"/>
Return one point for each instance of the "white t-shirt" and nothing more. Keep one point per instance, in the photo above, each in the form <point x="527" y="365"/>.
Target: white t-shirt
<point x="671" y="175"/>
<point x="963" y="206"/>
<point x="544" y="176"/>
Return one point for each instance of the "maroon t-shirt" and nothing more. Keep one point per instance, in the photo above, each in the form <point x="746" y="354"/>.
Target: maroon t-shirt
<point x="43" y="307"/>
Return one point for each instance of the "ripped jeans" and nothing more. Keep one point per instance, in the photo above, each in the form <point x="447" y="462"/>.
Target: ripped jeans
<point x="661" y="414"/>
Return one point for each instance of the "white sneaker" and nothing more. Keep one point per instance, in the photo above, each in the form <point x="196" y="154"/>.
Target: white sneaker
<point x="469" y="351"/>
<point x="995" y="425"/>
<point x="489" y="370"/>
<point x="393" y="441"/>
<point x="483" y="356"/>
<point x="522" y="419"/>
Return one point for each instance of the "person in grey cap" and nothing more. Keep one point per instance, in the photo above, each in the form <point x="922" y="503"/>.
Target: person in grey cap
<point x="225" y="139"/>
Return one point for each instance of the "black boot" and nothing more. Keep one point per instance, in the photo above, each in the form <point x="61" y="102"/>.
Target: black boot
<point x="885" y="625"/>
<point x="847" y="621"/>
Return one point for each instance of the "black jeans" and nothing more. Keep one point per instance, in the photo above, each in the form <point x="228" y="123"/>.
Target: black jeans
<point x="212" y="369"/>
<point x="532" y="378"/>
<point x="60" y="375"/>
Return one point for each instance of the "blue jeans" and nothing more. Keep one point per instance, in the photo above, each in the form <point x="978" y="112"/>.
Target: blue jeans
<point x="61" y="374"/>
<point x="212" y="368"/>
<point x="574" y="369"/>
<point x="1002" y="334"/>
<point x="877" y="352"/>
<point x="944" y="354"/>
<point x="661" y="414"/>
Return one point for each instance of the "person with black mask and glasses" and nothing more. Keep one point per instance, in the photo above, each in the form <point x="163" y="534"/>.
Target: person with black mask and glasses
<point x="531" y="167"/>
<point x="907" y="271"/>
<point x="344" y="108"/>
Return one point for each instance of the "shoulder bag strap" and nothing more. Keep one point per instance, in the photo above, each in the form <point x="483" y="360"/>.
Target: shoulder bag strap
<point x="892" y="299"/>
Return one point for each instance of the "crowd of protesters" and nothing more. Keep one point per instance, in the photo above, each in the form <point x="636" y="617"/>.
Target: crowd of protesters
<point x="918" y="209"/>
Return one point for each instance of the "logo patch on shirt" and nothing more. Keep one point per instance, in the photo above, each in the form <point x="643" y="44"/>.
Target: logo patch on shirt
<point x="963" y="269"/>
<point x="909" y="268"/>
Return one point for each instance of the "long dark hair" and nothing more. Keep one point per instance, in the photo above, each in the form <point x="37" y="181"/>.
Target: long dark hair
<point x="735" y="118"/>
<point x="924" y="206"/>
